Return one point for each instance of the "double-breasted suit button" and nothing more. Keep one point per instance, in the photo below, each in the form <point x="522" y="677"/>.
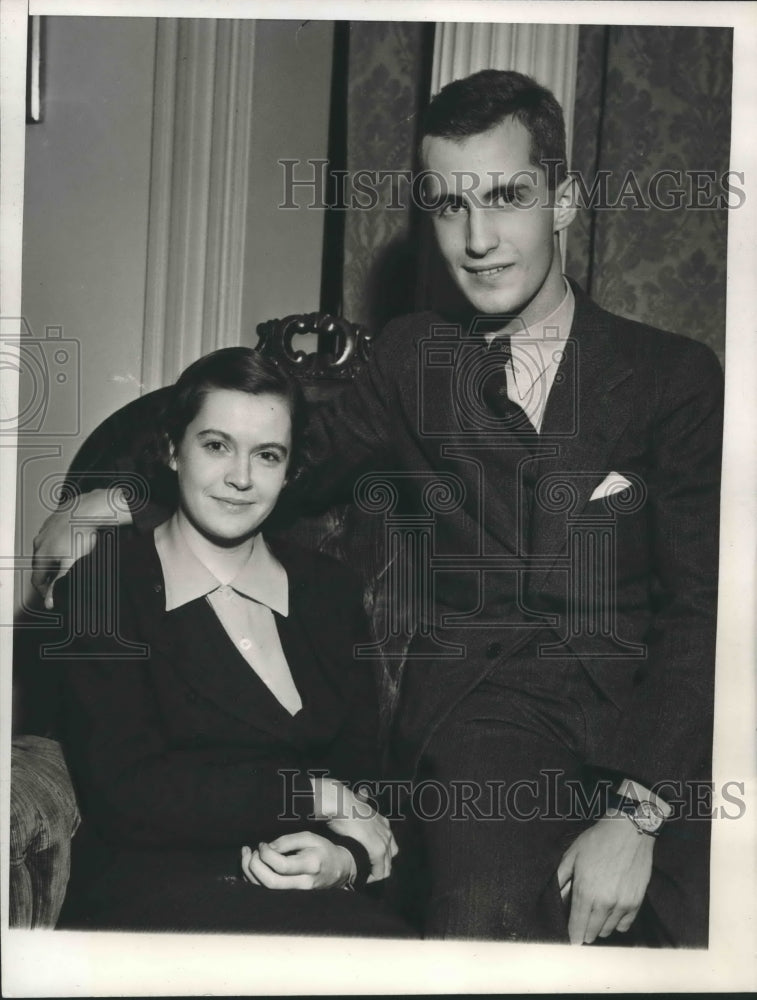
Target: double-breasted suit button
<point x="493" y="650"/>
<point x="191" y="697"/>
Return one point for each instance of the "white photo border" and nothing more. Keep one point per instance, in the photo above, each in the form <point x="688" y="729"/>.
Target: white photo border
<point x="53" y="963"/>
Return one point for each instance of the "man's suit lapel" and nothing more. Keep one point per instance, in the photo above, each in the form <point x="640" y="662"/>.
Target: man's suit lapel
<point x="588" y="409"/>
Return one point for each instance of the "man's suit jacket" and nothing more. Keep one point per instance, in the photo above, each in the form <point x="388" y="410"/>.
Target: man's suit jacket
<point x="174" y="743"/>
<point x="628" y="399"/>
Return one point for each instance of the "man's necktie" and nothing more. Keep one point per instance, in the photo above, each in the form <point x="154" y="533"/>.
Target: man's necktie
<point x="496" y="356"/>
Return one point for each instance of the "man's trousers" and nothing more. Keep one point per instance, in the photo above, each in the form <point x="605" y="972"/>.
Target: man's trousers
<point x="503" y="789"/>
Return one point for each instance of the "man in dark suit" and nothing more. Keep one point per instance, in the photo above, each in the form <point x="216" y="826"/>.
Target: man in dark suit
<point x="562" y="466"/>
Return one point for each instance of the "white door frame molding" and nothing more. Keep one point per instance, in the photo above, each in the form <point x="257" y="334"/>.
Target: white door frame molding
<point x="198" y="192"/>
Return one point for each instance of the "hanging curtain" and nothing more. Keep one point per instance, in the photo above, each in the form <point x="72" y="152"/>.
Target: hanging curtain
<point x="653" y="99"/>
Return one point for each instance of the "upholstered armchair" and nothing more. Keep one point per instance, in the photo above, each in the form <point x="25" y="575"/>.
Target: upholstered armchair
<point x="44" y="814"/>
<point x="44" y="818"/>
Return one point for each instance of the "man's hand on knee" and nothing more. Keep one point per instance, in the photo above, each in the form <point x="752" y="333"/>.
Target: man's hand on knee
<point x="606" y="871"/>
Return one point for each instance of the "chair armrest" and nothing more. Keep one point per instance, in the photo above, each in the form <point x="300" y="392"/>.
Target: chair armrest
<point x="44" y="818"/>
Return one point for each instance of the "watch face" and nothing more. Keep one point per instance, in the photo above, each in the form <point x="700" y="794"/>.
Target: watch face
<point x="648" y="817"/>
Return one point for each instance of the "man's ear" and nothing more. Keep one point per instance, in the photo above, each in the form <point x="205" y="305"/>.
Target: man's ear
<point x="564" y="204"/>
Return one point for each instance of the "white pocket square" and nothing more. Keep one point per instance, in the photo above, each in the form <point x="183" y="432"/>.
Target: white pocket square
<point x="612" y="483"/>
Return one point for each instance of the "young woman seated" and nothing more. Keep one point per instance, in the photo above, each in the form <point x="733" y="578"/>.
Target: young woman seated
<point x="215" y="715"/>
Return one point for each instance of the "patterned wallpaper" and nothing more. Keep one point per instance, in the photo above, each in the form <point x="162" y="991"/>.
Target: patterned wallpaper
<point x="662" y="103"/>
<point x="389" y="71"/>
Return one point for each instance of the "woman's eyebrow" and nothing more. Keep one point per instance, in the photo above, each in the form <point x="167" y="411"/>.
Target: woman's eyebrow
<point x="212" y="432"/>
<point x="273" y="444"/>
<point x="215" y="433"/>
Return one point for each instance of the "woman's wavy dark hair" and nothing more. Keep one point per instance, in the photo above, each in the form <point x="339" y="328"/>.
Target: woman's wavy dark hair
<point x="238" y="368"/>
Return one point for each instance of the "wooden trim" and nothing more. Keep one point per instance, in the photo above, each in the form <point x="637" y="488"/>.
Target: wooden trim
<point x="340" y="349"/>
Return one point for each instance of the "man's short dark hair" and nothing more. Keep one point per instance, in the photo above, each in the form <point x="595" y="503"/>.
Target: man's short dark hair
<point x="477" y="103"/>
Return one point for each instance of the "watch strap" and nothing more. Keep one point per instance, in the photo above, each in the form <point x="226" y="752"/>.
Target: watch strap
<point x="622" y="803"/>
<point x="629" y="807"/>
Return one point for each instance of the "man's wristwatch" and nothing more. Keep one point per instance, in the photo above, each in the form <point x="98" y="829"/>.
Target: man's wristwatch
<point x="645" y="815"/>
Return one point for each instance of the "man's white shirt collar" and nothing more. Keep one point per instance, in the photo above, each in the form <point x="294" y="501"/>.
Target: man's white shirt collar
<point x="536" y="353"/>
